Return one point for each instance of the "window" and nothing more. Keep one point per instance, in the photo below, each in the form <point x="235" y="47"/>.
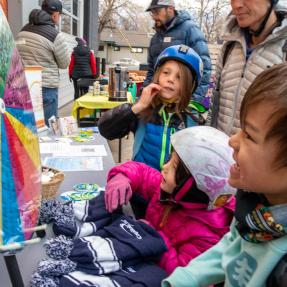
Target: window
<point x="75" y="7"/>
<point x="101" y="48"/>
<point x="67" y="5"/>
<point x="75" y="27"/>
<point x="117" y="48"/>
<point x="137" y="50"/>
<point x="66" y="24"/>
<point x="70" y="22"/>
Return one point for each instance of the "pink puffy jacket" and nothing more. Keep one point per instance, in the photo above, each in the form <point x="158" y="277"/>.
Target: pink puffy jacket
<point x="190" y="230"/>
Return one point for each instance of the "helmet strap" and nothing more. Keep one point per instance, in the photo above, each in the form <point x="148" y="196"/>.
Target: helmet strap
<point x="168" y="101"/>
<point x="194" y="82"/>
<point x="263" y="23"/>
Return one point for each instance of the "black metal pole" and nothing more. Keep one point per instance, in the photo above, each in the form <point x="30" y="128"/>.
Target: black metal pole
<point x="14" y="271"/>
<point x="98" y="65"/>
<point x="103" y="66"/>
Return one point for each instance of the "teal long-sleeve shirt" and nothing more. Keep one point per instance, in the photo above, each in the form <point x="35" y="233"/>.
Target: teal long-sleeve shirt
<point x="233" y="261"/>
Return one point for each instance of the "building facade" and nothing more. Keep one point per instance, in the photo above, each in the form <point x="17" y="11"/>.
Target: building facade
<point x="79" y="18"/>
<point x="116" y="44"/>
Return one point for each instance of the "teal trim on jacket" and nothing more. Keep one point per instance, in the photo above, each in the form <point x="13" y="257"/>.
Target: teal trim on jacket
<point x="233" y="260"/>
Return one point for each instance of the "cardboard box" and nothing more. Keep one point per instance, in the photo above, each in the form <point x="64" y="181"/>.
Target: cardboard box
<point x="137" y="76"/>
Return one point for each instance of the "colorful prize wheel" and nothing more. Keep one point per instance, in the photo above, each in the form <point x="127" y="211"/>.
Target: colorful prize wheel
<point x="20" y="187"/>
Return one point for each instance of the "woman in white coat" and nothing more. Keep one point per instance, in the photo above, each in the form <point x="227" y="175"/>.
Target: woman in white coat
<point x="255" y="38"/>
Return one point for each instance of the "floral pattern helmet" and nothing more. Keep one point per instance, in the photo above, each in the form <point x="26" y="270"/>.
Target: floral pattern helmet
<point x="207" y="155"/>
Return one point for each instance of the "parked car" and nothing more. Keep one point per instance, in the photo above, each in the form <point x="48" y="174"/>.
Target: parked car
<point x="128" y="62"/>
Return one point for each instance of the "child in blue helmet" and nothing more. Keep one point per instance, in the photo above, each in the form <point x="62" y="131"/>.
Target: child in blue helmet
<point x="162" y="108"/>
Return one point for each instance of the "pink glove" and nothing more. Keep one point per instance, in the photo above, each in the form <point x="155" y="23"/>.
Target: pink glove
<point x="118" y="192"/>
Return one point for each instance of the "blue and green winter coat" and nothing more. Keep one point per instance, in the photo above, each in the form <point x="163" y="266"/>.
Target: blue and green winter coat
<point x="182" y="30"/>
<point x="152" y="139"/>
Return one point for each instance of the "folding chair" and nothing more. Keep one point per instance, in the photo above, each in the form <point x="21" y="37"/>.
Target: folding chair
<point x="83" y="85"/>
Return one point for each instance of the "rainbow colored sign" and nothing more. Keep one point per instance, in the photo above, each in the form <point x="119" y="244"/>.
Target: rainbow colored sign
<point x="20" y="187"/>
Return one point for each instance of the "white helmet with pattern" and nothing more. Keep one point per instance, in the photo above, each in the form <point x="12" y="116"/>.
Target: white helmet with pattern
<point x="207" y="155"/>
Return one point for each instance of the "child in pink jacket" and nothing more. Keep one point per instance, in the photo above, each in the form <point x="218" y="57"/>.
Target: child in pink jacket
<point x="190" y="203"/>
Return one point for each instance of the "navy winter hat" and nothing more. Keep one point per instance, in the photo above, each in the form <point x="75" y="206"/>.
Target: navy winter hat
<point x="51" y="6"/>
<point x="81" y="41"/>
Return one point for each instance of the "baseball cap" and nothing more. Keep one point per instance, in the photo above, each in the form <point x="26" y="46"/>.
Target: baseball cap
<point x="159" y="4"/>
<point x="51" y="6"/>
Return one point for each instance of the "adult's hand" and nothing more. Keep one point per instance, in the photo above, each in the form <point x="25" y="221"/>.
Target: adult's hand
<point x="118" y="192"/>
<point x="148" y="93"/>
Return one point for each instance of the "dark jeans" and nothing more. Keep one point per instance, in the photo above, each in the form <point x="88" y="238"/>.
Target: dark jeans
<point x="50" y="103"/>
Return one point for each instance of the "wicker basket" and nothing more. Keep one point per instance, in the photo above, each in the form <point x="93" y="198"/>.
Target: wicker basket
<point x="50" y="189"/>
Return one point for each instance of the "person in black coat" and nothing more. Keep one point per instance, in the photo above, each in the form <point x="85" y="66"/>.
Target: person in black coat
<point x="82" y="64"/>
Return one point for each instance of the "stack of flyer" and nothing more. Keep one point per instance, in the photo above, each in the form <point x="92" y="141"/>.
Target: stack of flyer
<point x="68" y="125"/>
<point x="63" y="126"/>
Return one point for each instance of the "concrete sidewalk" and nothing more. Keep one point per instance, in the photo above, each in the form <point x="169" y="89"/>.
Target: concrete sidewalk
<point x="127" y="142"/>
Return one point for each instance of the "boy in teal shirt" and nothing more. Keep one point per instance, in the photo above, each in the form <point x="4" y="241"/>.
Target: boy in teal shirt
<point x="246" y="256"/>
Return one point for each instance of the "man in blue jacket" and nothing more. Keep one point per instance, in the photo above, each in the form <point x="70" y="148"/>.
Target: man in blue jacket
<point x="173" y="28"/>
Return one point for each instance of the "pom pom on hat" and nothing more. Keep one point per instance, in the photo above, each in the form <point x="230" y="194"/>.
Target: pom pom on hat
<point x="81" y="41"/>
<point x="38" y="280"/>
<point x="59" y="247"/>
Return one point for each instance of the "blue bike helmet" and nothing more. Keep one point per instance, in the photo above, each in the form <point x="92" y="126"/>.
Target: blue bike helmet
<point x="187" y="56"/>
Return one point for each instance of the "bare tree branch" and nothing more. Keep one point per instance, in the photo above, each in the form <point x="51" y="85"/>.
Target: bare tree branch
<point x="129" y="15"/>
<point x="209" y="14"/>
<point x="122" y="13"/>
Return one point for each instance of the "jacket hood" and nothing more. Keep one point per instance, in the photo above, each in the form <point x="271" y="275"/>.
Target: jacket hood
<point x="281" y="6"/>
<point x="40" y="17"/>
<point x="182" y="16"/>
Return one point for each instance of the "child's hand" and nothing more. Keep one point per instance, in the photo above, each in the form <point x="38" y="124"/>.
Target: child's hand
<point x="118" y="192"/>
<point x="148" y="93"/>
